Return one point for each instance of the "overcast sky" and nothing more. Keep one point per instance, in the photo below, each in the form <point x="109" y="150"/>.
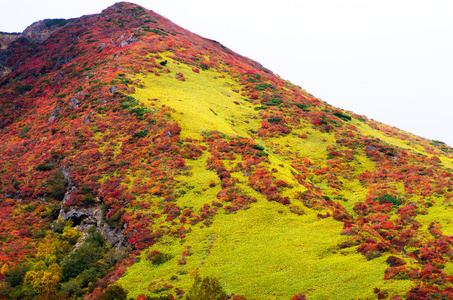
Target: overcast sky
<point x="390" y="60"/>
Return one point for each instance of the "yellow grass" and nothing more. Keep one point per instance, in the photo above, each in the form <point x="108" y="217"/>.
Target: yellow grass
<point x="202" y="102"/>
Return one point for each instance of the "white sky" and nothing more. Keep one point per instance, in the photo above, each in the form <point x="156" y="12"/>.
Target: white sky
<point x="391" y="60"/>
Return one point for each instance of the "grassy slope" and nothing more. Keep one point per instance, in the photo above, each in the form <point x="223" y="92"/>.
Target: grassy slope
<point x="265" y="252"/>
<point x="202" y="102"/>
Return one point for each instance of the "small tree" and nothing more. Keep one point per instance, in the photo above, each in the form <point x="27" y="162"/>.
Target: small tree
<point x="207" y="288"/>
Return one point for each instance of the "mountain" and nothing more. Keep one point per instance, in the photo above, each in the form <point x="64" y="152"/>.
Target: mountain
<point x="137" y="157"/>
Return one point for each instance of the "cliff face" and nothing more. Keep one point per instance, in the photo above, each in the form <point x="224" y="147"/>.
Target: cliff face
<point x="37" y="32"/>
<point x="7" y="38"/>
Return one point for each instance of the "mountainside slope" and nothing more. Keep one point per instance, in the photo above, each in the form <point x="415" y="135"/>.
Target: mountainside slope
<point x="135" y="152"/>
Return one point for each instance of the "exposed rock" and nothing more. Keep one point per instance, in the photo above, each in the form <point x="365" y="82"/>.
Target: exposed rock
<point x="83" y="217"/>
<point x="86" y="217"/>
<point x="66" y="175"/>
<point x="129" y="40"/>
<point x="113" y="236"/>
<point x="7" y="38"/>
<point x="40" y="31"/>
<point x="124" y="43"/>
<point x="62" y="61"/>
<point x="54" y="113"/>
<point x="74" y="102"/>
<point x="113" y="89"/>
<point x="37" y="32"/>
<point x="60" y="76"/>
<point x="17" y="106"/>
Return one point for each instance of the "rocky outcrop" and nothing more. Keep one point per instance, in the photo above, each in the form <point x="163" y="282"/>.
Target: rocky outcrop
<point x="54" y="113"/>
<point x="7" y="38"/>
<point x="37" y="32"/>
<point x="86" y="217"/>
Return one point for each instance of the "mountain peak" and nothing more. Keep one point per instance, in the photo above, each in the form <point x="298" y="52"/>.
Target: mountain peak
<point x="139" y="157"/>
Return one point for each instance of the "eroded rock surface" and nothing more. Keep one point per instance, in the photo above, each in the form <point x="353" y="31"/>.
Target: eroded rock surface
<point x="37" y="32"/>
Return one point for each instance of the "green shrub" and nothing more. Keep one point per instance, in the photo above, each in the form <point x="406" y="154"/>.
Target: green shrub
<point x="274" y="120"/>
<point x="25" y="88"/>
<point x="262" y="86"/>
<point x="207" y="288"/>
<point x="129" y="101"/>
<point x="115" y="221"/>
<point x="114" y="292"/>
<point x="57" y="186"/>
<point x="72" y="288"/>
<point x="15" y="275"/>
<point x="262" y="153"/>
<point x="258" y="147"/>
<point x="159" y="297"/>
<point x="158" y="258"/>
<point x="389" y="199"/>
<point x="23" y="292"/>
<point x="5" y="290"/>
<point x="140" y="134"/>
<point x="58" y="225"/>
<point x="301" y="106"/>
<point x="273" y="102"/>
<point x="93" y="249"/>
<point x="88" y="199"/>
<point x="342" y="116"/>
<point x="51" y="22"/>
<point x="44" y="167"/>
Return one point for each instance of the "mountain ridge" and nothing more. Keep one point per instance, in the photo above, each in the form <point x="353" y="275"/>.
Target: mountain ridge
<point x="191" y="159"/>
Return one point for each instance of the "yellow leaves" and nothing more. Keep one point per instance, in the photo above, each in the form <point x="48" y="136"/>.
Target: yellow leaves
<point x="46" y="248"/>
<point x="55" y="270"/>
<point x="71" y="235"/>
<point x="44" y="282"/>
<point x="4" y="269"/>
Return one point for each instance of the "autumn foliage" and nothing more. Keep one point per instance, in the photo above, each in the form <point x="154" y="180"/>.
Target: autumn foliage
<point x="74" y="137"/>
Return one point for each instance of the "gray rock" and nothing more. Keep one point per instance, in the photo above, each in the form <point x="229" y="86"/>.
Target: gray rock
<point x="59" y="77"/>
<point x="74" y="102"/>
<point x="86" y="217"/>
<point x="54" y="113"/>
<point x="37" y="32"/>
